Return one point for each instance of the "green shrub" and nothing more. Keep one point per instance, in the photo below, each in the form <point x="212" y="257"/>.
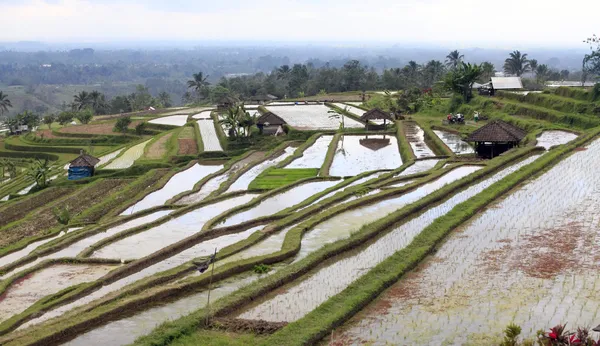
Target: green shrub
<point x="261" y="268"/>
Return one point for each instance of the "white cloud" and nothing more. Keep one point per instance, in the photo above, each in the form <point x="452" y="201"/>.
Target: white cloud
<point x="458" y="22"/>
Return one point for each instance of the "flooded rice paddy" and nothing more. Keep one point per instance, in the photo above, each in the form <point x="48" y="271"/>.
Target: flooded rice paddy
<point x="312" y="117"/>
<point x="416" y="138"/>
<point x="126" y="330"/>
<point x="454" y="142"/>
<point x="342" y="225"/>
<point x="533" y="259"/>
<point x="106" y="158"/>
<point x="75" y="248"/>
<point x="245" y="179"/>
<point x="354" y="110"/>
<point x="418" y="167"/>
<point x="202" y="115"/>
<point x="173" y="120"/>
<point x="179" y="183"/>
<point x="277" y="203"/>
<point x="358" y="154"/>
<point x="295" y="300"/>
<point x="31" y="288"/>
<point x="209" y="136"/>
<point x="128" y="158"/>
<point x="551" y="138"/>
<point x="170" y="232"/>
<point x="14" y="256"/>
<point x="313" y="156"/>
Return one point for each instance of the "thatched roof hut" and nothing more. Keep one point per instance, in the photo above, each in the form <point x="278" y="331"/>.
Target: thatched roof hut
<point x="495" y="138"/>
<point x="376" y="114"/>
<point x="269" y="123"/>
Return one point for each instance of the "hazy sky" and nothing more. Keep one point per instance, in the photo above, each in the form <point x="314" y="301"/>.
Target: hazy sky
<point x="453" y="23"/>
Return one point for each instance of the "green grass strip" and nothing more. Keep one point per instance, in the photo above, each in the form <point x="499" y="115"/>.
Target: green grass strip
<point x="324" y="172"/>
<point x="273" y="178"/>
<point x="406" y="152"/>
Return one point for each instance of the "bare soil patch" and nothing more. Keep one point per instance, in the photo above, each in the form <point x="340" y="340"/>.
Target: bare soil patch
<point x="45" y="134"/>
<point x="19" y="209"/>
<point x="187" y="147"/>
<point x="159" y="148"/>
<point x="96" y="129"/>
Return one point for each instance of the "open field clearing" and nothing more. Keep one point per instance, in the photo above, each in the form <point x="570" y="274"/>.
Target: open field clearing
<point x="179" y="183"/>
<point x="531" y="259"/>
<point x="104" y="128"/>
<point x="454" y="142"/>
<point x="127" y="159"/>
<point x="159" y="148"/>
<point x="244" y="181"/>
<point x="279" y="202"/>
<point x="173" y="120"/>
<point x="74" y="249"/>
<point x="145" y="243"/>
<point x="416" y="138"/>
<point x="296" y="299"/>
<point x="209" y="135"/>
<point x="312" y="117"/>
<point x="549" y="139"/>
<point x="357" y="154"/>
<point x="314" y="155"/>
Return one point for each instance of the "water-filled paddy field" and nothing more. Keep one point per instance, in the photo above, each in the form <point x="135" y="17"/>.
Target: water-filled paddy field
<point x="416" y="137"/>
<point x="454" y="142"/>
<point x="312" y="117"/>
<point x="357" y="154"/>
<point x="174" y="120"/>
<point x="127" y="158"/>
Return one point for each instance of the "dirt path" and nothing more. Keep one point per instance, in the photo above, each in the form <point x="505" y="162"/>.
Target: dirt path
<point x="159" y="148"/>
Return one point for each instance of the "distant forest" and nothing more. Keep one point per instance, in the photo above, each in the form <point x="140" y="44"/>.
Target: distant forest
<point x="45" y="81"/>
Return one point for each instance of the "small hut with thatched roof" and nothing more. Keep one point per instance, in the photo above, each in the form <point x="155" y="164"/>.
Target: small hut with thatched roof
<point x="83" y="166"/>
<point x="496" y="137"/>
<point x="270" y="123"/>
<point x="376" y="114"/>
<point x="226" y="102"/>
<point x="263" y="98"/>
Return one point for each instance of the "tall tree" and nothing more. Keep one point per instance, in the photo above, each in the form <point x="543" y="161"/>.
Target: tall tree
<point x="283" y="72"/>
<point x="541" y="73"/>
<point x="453" y="59"/>
<point x="564" y="74"/>
<point x="82" y="100"/>
<point x="461" y="80"/>
<point x="5" y="103"/>
<point x="354" y="75"/>
<point x="433" y="72"/>
<point x="165" y="99"/>
<point x="199" y="83"/>
<point x="516" y="63"/>
<point x="533" y="65"/>
<point x="48" y="120"/>
<point x="487" y="72"/>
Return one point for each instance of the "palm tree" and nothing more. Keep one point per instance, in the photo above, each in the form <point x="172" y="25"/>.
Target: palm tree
<point x="542" y="73"/>
<point x="564" y="74"/>
<point x="433" y="71"/>
<point x="4" y="103"/>
<point x="461" y="80"/>
<point x="487" y="71"/>
<point x="454" y="59"/>
<point x="199" y="83"/>
<point x="231" y="120"/>
<point x="516" y="63"/>
<point x="533" y="65"/>
<point x="82" y="100"/>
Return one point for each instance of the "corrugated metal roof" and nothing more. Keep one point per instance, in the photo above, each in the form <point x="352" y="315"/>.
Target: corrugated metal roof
<point x="500" y="83"/>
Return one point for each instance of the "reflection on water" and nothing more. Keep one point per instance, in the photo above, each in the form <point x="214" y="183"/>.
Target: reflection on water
<point x="179" y="183"/>
<point x="301" y="297"/>
<point x="554" y="137"/>
<point x="28" y="290"/>
<point x="170" y="232"/>
<point x="277" y="203"/>
<point x="357" y="154"/>
<point x="454" y="142"/>
<point x="416" y="138"/>
<point x="313" y="156"/>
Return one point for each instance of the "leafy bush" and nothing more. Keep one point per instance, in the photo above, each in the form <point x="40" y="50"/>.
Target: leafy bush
<point x="262" y="268"/>
<point x="455" y="103"/>
<point x="62" y="215"/>
<point x="140" y="128"/>
<point x="122" y="124"/>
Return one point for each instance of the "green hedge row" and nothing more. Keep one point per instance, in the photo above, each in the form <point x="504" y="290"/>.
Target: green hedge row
<point x="40" y="148"/>
<point x="104" y="140"/>
<point x="29" y="155"/>
<point x="574" y="93"/>
<point x="555" y="102"/>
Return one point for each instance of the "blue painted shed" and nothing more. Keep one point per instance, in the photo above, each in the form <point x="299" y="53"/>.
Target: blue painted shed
<point x="82" y="166"/>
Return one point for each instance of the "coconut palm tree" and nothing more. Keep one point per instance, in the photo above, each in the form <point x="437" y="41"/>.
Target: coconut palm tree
<point x="433" y="71"/>
<point x="487" y="71"/>
<point x="453" y="59"/>
<point x="516" y="63"/>
<point x="542" y="73"/>
<point x="82" y="100"/>
<point x="4" y="103"/>
<point x="533" y="65"/>
<point x="564" y="74"/>
<point x="283" y="72"/>
<point x="199" y="83"/>
<point x="461" y="80"/>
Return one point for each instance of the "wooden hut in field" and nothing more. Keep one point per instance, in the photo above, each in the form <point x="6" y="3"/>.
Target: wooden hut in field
<point x="496" y="137"/>
<point x="270" y="124"/>
<point x="82" y="167"/>
<point x="225" y="102"/>
<point x="263" y="98"/>
<point x="376" y="114"/>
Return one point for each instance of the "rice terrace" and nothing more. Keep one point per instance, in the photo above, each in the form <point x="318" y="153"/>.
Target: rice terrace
<point x="440" y="215"/>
